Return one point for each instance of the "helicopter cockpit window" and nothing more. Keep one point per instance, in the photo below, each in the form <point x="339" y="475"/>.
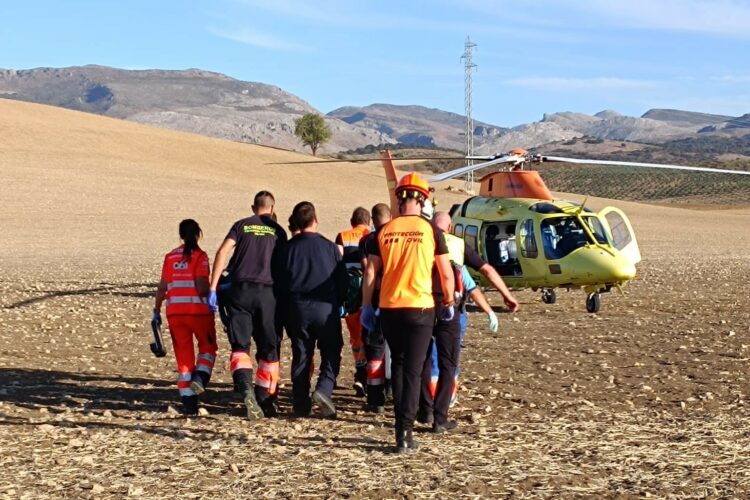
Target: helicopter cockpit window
<point x="470" y="236"/>
<point x="596" y="228"/>
<point x="458" y="230"/>
<point x="562" y="235"/>
<point x="620" y="233"/>
<point x="528" y="240"/>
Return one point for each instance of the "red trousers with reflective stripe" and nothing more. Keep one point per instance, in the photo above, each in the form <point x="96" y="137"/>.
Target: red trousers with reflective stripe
<point x="182" y="328"/>
<point x="355" y="339"/>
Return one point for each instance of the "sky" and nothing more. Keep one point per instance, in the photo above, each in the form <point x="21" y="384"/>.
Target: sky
<point x="532" y="56"/>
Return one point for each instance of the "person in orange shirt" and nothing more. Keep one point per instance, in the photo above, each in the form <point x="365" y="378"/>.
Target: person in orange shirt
<point x="184" y="284"/>
<point x="348" y="244"/>
<point x="406" y="250"/>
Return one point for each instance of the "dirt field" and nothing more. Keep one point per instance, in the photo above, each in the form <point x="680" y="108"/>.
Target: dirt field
<point x="647" y="398"/>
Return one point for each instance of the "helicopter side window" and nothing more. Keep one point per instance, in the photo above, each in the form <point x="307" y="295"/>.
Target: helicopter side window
<point x="470" y="236"/>
<point x="501" y="248"/>
<point x="562" y="235"/>
<point x="458" y="230"/>
<point x="529" y="248"/>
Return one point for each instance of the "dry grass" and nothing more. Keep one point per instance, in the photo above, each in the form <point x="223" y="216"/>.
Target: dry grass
<point x="647" y="397"/>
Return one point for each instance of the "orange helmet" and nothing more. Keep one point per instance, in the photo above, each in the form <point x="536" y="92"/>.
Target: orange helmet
<point x="412" y="184"/>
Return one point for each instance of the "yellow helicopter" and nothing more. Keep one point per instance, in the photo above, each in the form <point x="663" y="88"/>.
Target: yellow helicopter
<point x="537" y="242"/>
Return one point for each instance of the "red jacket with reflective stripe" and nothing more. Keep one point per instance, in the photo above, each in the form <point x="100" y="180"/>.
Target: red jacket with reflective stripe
<point x="180" y="276"/>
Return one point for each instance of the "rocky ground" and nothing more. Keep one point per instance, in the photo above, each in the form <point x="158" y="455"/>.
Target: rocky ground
<point x="648" y="397"/>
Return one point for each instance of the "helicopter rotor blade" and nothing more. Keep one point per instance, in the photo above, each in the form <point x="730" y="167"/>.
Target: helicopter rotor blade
<point x="362" y="160"/>
<point x="613" y="163"/>
<point x="470" y="168"/>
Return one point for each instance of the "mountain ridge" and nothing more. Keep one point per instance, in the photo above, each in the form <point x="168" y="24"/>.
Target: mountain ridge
<point x="217" y="105"/>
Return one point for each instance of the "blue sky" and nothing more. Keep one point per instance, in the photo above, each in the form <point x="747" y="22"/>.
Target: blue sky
<point x="533" y="56"/>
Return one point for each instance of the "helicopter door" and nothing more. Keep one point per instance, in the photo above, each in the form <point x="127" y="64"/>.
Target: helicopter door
<point x="623" y="236"/>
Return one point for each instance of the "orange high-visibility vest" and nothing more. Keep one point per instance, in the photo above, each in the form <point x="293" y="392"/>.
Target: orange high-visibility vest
<point x="350" y="239"/>
<point x="407" y="247"/>
<point x="180" y="275"/>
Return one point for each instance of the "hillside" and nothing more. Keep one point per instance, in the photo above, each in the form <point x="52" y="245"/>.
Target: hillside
<point x="192" y="100"/>
<point x="416" y="125"/>
<point x="127" y="185"/>
<point x="688" y="117"/>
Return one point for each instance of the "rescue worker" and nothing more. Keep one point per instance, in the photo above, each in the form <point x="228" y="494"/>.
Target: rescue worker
<point x="407" y="249"/>
<point x="313" y="281"/>
<point x="184" y="284"/>
<point x="447" y="333"/>
<point x="374" y="342"/>
<point x="256" y="242"/>
<point x="348" y="244"/>
<point x="431" y="373"/>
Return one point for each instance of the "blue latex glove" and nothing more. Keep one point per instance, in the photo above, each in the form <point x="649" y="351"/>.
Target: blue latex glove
<point x="213" y="301"/>
<point x="342" y="312"/>
<point x="492" y="318"/>
<point x="447" y="313"/>
<point x="157" y="317"/>
<point x="369" y="317"/>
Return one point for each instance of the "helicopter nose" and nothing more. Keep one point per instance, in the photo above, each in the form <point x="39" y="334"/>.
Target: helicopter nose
<point x="622" y="268"/>
<point x="605" y="267"/>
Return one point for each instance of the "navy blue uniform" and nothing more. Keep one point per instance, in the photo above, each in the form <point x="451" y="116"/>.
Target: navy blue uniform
<point x="313" y="282"/>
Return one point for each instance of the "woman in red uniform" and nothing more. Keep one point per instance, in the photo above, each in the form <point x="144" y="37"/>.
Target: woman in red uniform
<point x="185" y="283"/>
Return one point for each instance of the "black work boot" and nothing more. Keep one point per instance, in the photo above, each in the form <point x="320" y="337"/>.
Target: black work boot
<point x="269" y="407"/>
<point x="243" y="383"/>
<point x="388" y="390"/>
<point x="199" y="381"/>
<point x="375" y="408"/>
<point x="447" y="426"/>
<point x="190" y="405"/>
<point x="425" y="416"/>
<point x="405" y="443"/>
<point x="303" y="410"/>
<point x="324" y="404"/>
<point x="253" y="409"/>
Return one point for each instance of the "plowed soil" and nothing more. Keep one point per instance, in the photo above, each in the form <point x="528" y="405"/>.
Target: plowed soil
<point x="649" y="397"/>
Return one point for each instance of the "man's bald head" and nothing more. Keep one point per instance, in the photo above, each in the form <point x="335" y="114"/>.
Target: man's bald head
<point x="442" y="220"/>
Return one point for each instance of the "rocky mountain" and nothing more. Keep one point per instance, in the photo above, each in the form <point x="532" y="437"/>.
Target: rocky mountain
<point x="216" y="105"/>
<point x="687" y="117"/>
<point x="192" y="100"/>
<point x="734" y="126"/>
<point x="526" y="136"/>
<point x="416" y="125"/>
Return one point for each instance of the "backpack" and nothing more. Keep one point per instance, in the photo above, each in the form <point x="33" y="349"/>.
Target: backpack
<point x="353" y="295"/>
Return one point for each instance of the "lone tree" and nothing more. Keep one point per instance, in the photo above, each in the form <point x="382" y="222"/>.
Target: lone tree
<point x="313" y="131"/>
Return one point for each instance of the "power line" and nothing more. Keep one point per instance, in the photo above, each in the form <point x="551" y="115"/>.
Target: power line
<point x="469" y="67"/>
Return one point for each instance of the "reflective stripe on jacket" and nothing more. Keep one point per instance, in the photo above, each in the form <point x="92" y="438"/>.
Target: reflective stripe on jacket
<point x="180" y="276"/>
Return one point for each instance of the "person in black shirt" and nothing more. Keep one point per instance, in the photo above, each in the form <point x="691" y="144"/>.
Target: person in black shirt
<point x="314" y="281"/>
<point x="256" y="242"/>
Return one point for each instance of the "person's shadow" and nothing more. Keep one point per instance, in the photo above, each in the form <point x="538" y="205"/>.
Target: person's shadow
<point x="85" y="397"/>
<point x="81" y="395"/>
